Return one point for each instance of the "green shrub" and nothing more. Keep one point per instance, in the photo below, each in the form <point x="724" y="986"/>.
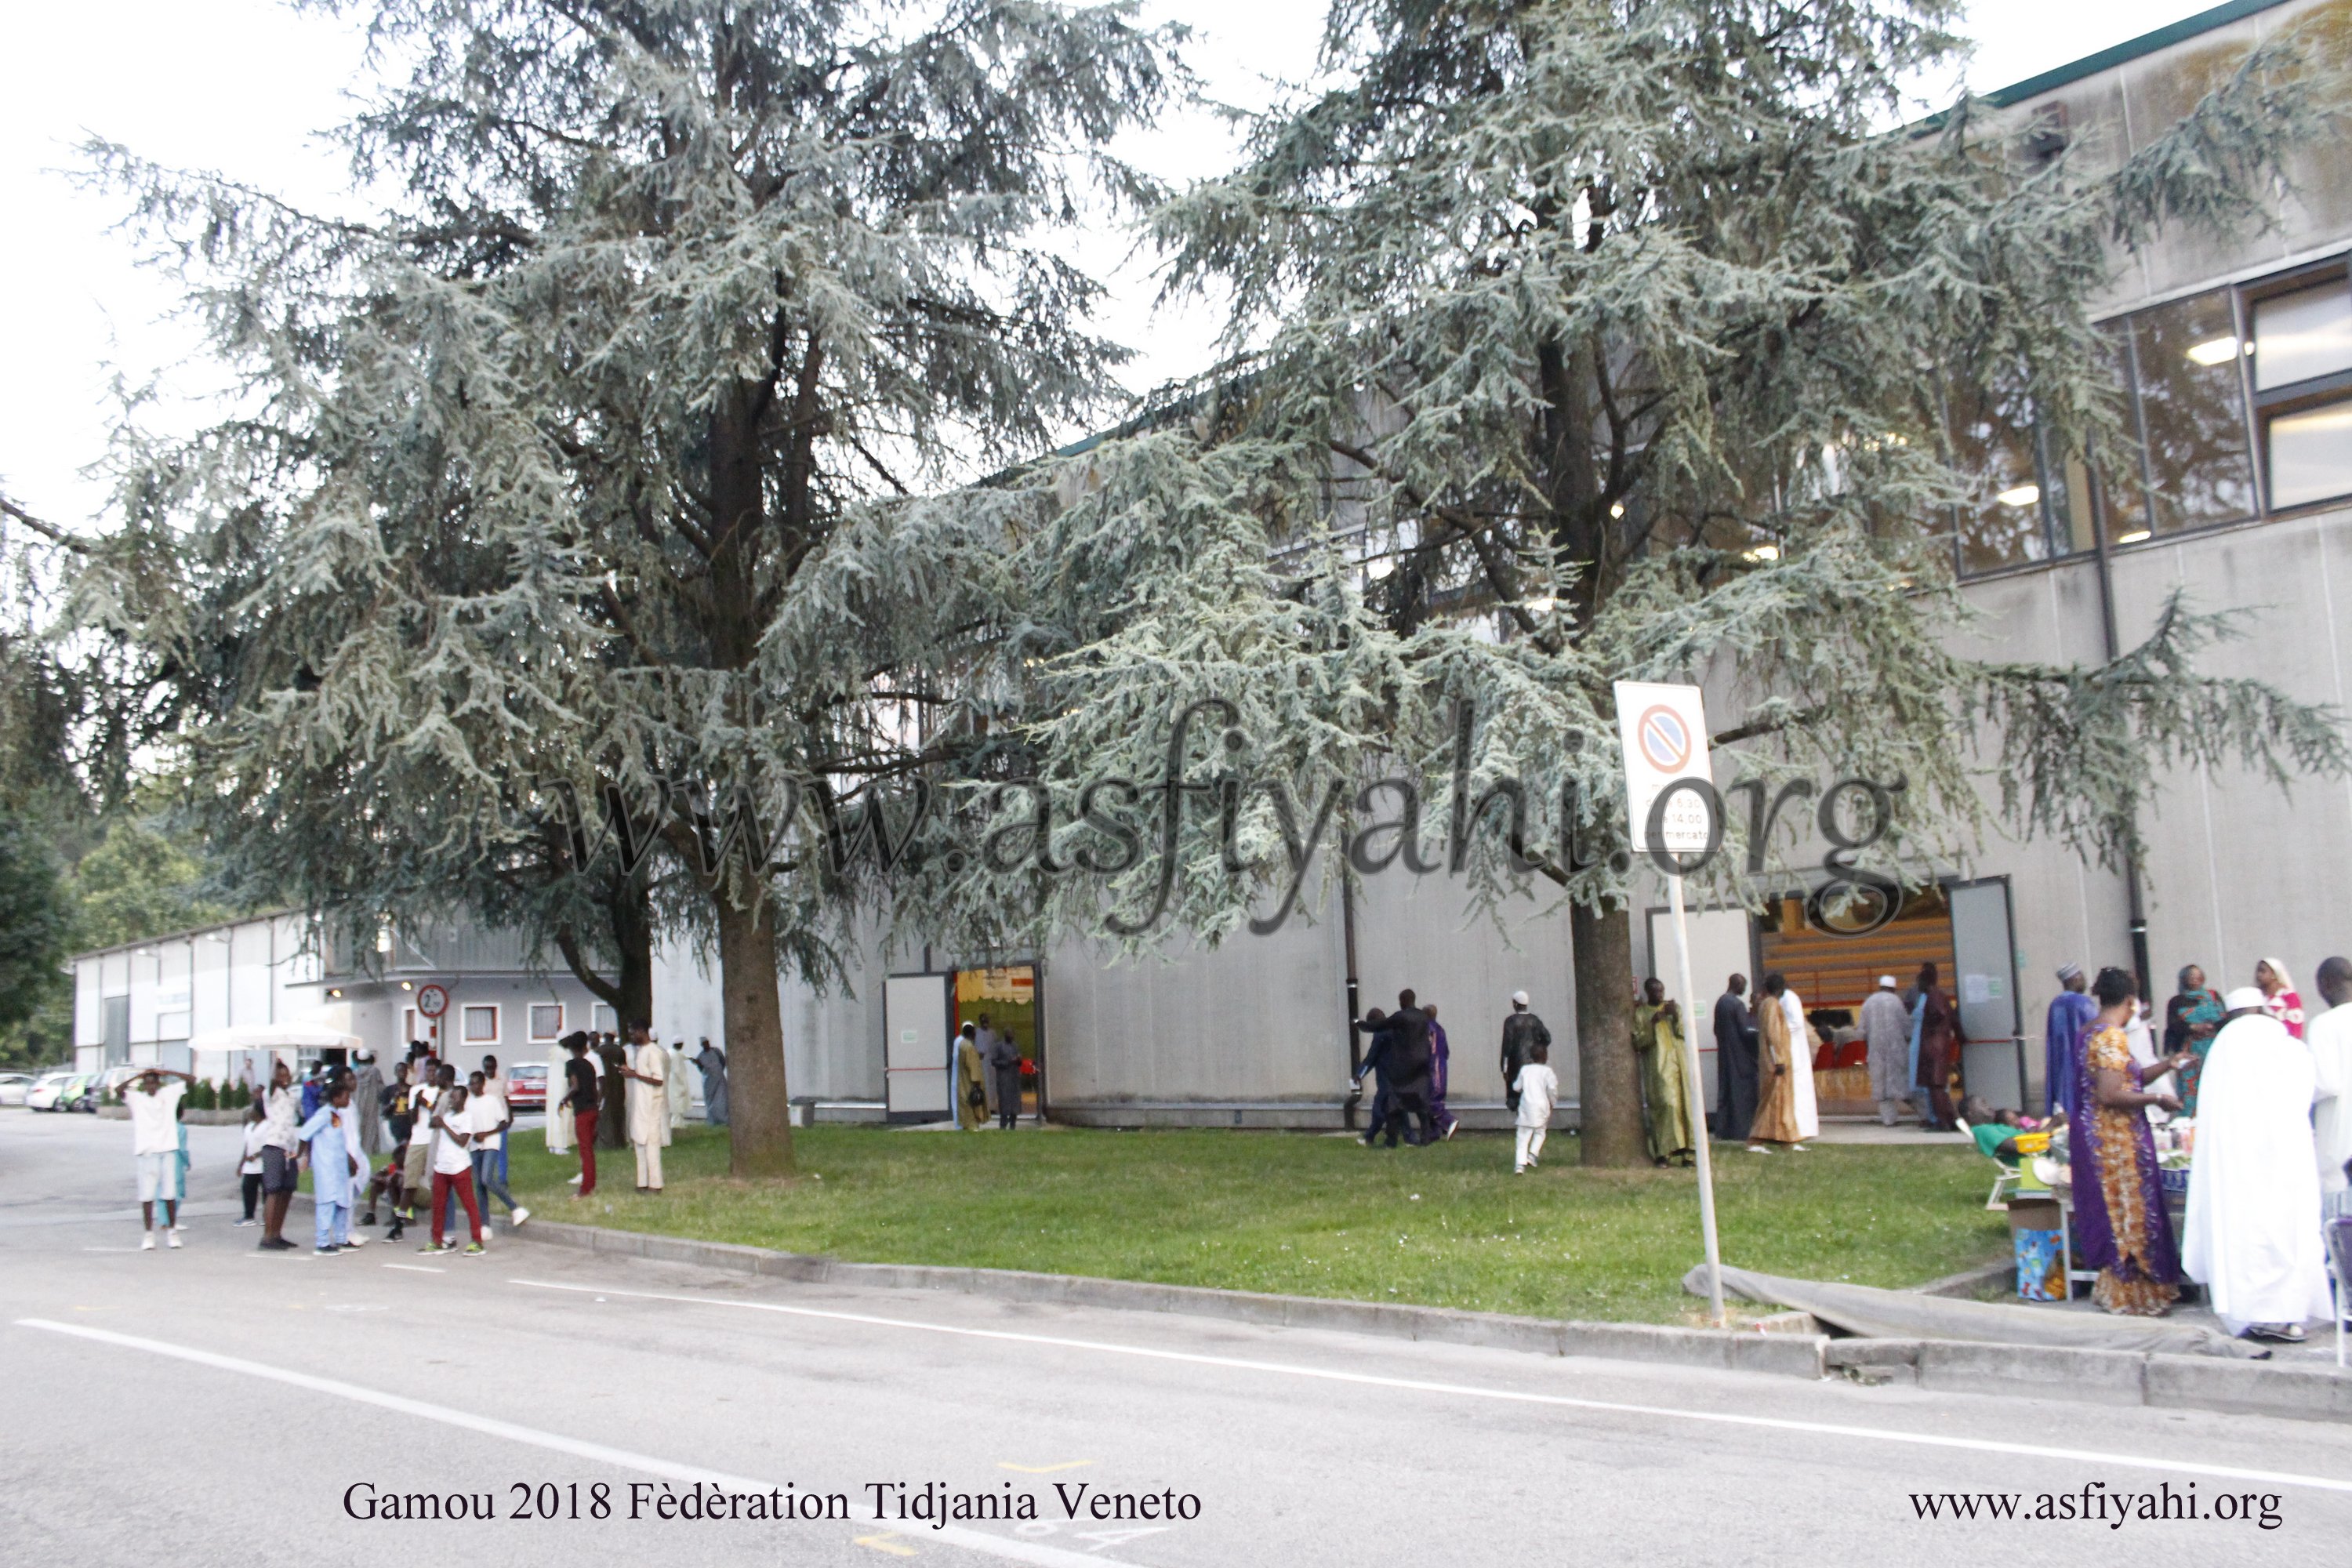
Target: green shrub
<point x="204" y="1097"/>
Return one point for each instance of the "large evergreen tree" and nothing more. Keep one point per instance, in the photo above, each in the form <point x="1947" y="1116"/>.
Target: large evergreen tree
<point x="539" y="486"/>
<point x="1631" y="334"/>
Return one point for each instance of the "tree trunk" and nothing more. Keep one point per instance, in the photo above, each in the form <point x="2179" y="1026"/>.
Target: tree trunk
<point x="759" y="1120"/>
<point x="1607" y="1074"/>
<point x="631" y="915"/>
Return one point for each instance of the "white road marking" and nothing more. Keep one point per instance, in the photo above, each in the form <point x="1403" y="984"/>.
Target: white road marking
<point x="1031" y="1551"/>
<point x="416" y="1269"/>
<point x="1722" y="1419"/>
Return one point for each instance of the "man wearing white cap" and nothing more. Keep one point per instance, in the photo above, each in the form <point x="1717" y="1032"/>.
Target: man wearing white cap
<point x="2062" y="1042"/>
<point x="2252" y="1232"/>
<point x="1522" y="1031"/>
<point x="1886" y="1029"/>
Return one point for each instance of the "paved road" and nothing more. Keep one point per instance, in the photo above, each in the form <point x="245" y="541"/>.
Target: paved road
<point x="218" y="1406"/>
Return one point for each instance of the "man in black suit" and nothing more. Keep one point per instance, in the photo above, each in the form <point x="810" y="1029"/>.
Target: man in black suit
<point x="1410" y="1059"/>
<point x="1735" y="1060"/>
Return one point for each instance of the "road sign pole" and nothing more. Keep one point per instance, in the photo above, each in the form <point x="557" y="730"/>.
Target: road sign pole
<point x="1695" y="1093"/>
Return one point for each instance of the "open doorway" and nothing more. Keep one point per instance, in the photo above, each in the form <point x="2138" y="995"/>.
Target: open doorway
<point x="1005" y="999"/>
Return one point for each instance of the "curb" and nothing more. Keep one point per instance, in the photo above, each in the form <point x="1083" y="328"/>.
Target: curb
<point x="1786" y="1354"/>
<point x="2101" y="1377"/>
<point x="2042" y="1372"/>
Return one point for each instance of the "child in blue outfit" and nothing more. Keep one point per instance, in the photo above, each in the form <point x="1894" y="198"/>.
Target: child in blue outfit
<point x="332" y="1134"/>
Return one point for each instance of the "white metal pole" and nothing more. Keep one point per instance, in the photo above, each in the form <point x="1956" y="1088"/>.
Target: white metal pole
<point x="1695" y="1093"/>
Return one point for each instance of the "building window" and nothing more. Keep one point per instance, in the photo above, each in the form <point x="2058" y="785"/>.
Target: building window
<point x="2219" y="388"/>
<point x="2302" y="335"/>
<point x="546" y="1020"/>
<point x="481" y="1026"/>
<point x="2187" y="409"/>
<point x="2026" y="494"/>
<point x="603" y="1020"/>
<point x="2302" y="353"/>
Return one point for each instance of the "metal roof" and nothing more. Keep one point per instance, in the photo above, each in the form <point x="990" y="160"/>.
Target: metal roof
<point x="2129" y="50"/>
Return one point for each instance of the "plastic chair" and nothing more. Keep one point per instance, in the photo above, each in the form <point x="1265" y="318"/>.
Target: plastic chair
<point x="2003" y="1185"/>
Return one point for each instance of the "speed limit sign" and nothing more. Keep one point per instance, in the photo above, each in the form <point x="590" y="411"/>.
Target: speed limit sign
<point x="432" y="1000"/>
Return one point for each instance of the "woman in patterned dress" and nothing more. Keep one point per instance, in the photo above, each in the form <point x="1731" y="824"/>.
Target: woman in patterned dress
<point x="2120" y="1226"/>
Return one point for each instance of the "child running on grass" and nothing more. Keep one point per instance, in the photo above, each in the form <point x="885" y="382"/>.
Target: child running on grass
<point x="1537" y="1086"/>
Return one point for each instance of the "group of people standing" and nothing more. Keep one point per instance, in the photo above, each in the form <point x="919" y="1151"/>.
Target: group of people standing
<point x="601" y="1089"/>
<point x="2272" y="1145"/>
<point x="987" y="1076"/>
<point x="447" y="1139"/>
<point x="1764" y="1066"/>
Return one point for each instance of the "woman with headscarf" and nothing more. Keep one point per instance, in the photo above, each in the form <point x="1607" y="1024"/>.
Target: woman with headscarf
<point x="2280" y="999"/>
<point x="2189" y="1020"/>
<point x="2120" y="1226"/>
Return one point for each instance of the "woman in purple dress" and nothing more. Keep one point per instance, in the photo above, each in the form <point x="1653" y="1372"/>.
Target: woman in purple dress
<point x="2120" y="1226"/>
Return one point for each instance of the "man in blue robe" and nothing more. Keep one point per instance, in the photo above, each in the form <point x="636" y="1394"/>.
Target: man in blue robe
<point x="332" y="1134"/>
<point x="2062" y="1042"/>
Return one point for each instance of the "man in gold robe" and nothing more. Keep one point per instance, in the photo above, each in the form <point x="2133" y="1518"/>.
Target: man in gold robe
<point x="1658" y="1036"/>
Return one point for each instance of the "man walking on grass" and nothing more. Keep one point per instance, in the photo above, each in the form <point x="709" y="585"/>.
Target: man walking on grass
<point x="1522" y="1032"/>
<point x="155" y="1108"/>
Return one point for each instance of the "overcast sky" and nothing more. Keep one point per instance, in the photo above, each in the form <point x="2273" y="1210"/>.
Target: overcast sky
<point x="240" y="86"/>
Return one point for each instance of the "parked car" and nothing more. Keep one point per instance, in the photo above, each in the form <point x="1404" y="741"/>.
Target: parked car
<point x="527" y="1087"/>
<point x="82" y="1093"/>
<point x="13" y="1086"/>
<point x="42" y="1095"/>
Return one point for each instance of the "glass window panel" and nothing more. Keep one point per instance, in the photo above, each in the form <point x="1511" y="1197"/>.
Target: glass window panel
<point x="2124" y="493"/>
<point x="2311" y="454"/>
<point x="1992" y="438"/>
<point x="481" y="1023"/>
<point x="2191" y="408"/>
<point x="2302" y="335"/>
<point x="546" y="1020"/>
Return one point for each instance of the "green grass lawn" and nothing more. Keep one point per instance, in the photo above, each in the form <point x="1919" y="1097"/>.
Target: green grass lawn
<point x="1446" y="1225"/>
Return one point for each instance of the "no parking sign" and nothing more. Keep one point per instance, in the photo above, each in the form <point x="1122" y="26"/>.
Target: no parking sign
<point x="1663" y="731"/>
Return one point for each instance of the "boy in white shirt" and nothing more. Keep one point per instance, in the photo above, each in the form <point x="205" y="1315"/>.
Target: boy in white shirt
<point x="488" y="1116"/>
<point x="248" y="1169"/>
<point x="1537" y="1086"/>
<point x="155" y="1108"/>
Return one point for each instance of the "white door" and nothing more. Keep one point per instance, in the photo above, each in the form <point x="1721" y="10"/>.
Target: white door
<point x="1985" y="953"/>
<point x="1719" y="948"/>
<point x="916" y="1024"/>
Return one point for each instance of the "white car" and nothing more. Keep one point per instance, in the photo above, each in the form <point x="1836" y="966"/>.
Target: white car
<point x="14" y="1087"/>
<point x="42" y="1094"/>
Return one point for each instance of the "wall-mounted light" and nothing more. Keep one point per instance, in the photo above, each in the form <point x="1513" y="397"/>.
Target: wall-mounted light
<point x="335" y="991"/>
<point x="407" y="986"/>
<point x="2021" y="496"/>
